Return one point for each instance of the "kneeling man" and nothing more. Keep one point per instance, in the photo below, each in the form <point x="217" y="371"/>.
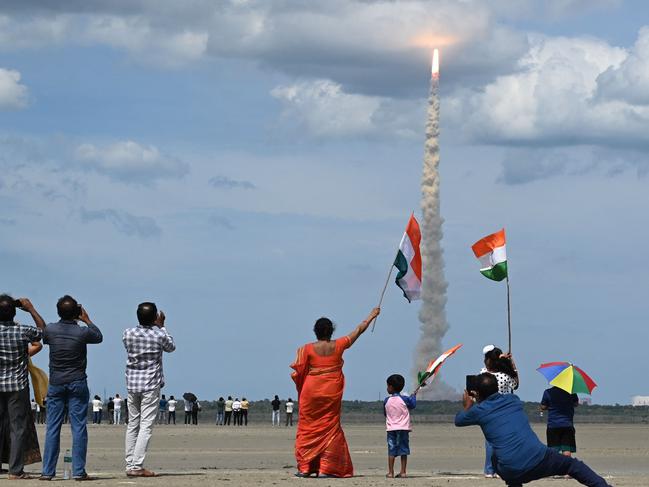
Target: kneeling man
<point x="519" y="456"/>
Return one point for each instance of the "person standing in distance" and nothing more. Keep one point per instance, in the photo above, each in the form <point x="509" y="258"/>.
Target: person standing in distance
<point x="96" y="410"/>
<point x="289" y="411"/>
<point x="171" y="406"/>
<point x="220" y="409"/>
<point x="275" y="403"/>
<point x="117" y="411"/>
<point x="245" y="406"/>
<point x="144" y="346"/>
<point x="162" y="412"/>
<point x="228" y="411"/>
<point x="236" y="412"/>
<point x="68" y="389"/>
<point x="14" y="382"/>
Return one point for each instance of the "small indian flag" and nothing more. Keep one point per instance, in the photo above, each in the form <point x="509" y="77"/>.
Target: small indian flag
<point x="408" y="261"/>
<point x="435" y="365"/>
<point x="491" y="251"/>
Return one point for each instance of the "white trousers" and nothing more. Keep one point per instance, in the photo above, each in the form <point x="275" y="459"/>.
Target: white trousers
<point x="142" y="410"/>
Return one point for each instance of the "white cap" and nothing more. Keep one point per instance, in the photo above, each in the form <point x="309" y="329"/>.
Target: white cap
<point x="487" y="349"/>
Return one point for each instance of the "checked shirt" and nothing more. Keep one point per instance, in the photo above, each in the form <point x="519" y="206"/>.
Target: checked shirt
<point x="14" y="339"/>
<point x="145" y="345"/>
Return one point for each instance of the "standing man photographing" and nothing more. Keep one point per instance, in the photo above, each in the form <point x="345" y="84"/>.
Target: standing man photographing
<point x="144" y="345"/>
<point x="14" y="382"/>
<point x="68" y="389"/>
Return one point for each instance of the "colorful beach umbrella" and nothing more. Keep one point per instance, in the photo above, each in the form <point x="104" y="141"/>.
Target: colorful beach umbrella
<point x="568" y="377"/>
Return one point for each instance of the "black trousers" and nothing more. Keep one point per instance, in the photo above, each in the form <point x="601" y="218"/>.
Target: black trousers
<point x="194" y="417"/>
<point x="289" y="419"/>
<point x="228" y="417"/>
<point x="16" y="406"/>
<point x="554" y="463"/>
<point x="172" y="417"/>
<point x="244" y="415"/>
<point x="188" y="417"/>
<point x="236" y="416"/>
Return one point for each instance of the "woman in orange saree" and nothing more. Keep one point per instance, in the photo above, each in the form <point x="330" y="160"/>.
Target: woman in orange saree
<point x="320" y="445"/>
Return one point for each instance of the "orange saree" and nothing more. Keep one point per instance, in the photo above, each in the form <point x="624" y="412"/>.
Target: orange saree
<point x="320" y="445"/>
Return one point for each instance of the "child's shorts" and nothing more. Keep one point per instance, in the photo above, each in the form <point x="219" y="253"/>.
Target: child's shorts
<point x="398" y="443"/>
<point x="562" y="439"/>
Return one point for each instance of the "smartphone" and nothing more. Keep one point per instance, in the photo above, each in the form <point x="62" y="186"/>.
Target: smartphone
<point x="472" y="383"/>
<point x="79" y="307"/>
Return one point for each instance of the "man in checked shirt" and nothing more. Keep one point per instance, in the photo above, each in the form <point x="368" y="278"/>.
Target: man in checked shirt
<point x="14" y="384"/>
<point x="144" y="379"/>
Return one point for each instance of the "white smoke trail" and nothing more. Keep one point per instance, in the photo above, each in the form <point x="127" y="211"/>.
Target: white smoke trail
<point x="432" y="314"/>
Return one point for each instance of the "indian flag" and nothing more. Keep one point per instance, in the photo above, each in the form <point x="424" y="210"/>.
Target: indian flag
<point x="408" y="261"/>
<point x="491" y="251"/>
<point x="435" y="365"/>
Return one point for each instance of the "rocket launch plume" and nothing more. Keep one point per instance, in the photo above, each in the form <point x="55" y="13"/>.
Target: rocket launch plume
<point x="432" y="314"/>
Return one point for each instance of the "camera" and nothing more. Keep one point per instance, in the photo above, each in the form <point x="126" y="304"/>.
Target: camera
<point x="18" y="303"/>
<point x="79" y="308"/>
<point x="472" y="383"/>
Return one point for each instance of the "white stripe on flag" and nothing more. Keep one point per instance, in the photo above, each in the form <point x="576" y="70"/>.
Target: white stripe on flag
<point x="496" y="256"/>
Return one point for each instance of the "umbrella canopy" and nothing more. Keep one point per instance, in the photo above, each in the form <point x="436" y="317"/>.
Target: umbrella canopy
<point x="189" y="396"/>
<point x="568" y="377"/>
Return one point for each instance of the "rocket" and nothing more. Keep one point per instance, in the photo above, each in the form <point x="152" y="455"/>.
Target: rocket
<point x="434" y="69"/>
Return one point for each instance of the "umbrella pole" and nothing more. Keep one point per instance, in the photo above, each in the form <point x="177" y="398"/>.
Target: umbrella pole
<point x="509" y="317"/>
<point x="385" y="287"/>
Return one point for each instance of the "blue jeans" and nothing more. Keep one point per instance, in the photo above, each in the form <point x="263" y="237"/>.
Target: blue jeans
<point x="398" y="443"/>
<point x="76" y="396"/>
<point x="488" y="464"/>
<point x="555" y="463"/>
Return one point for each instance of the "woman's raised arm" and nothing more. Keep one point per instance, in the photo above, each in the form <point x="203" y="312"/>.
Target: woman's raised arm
<point x="360" y="329"/>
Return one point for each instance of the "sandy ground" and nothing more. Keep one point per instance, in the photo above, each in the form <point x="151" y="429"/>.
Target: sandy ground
<point x="442" y="455"/>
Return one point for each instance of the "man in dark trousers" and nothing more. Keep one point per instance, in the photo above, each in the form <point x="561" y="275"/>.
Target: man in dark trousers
<point x="519" y="457"/>
<point x="14" y="382"/>
<point x="68" y="389"/>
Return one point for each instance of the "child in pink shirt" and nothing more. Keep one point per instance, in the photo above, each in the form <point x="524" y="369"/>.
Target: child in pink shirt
<point x="397" y="421"/>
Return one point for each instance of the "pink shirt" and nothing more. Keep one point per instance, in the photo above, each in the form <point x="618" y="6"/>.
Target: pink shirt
<point x="397" y="412"/>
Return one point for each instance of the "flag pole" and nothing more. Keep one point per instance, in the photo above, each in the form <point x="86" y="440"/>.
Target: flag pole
<point x="423" y="384"/>
<point x="509" y="316"/>
<point x="385" y="287"/>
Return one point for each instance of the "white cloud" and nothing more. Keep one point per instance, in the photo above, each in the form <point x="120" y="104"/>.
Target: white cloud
<point x="629" y="81"/>
<point x="13" y="94"/>
<point x="149" y="44"/>
<point x="18" y="32"/>
<point x="378" y="48"/>
<point x="323" y="109"/>
<point x="131" y="162"/>
<point x="553" y="99"/>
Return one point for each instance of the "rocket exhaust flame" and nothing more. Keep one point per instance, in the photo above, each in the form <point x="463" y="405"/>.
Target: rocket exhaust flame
<point x="432" y="314"/>
<point x="434" y="69"/>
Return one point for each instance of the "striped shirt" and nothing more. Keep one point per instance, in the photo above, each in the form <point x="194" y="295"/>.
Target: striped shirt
<point x="14" y="340"/>
<point x="144" y="346"/>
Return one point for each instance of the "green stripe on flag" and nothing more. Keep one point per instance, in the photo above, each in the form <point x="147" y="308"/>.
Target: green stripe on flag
<point x="497" y="272"/>
<point x="401" y="264"/>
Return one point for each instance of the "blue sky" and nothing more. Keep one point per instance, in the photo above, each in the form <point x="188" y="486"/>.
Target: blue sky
<point x="250" y="167"/>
